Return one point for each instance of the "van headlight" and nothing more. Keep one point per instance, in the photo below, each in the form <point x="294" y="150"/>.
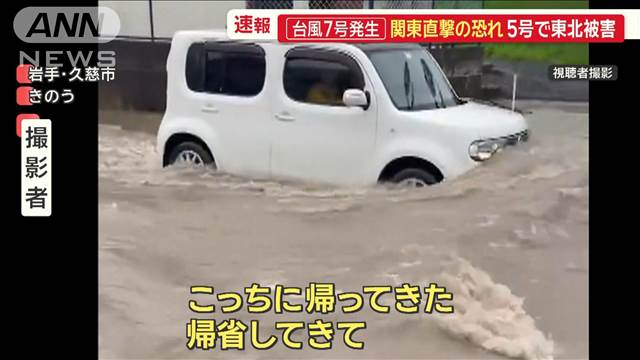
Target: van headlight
<point x="481" y="150"/>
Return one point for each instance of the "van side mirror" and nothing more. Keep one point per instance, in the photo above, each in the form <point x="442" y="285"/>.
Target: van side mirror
<point x="355" y="97"/>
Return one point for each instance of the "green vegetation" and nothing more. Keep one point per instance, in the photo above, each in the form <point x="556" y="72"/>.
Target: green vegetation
<point x="559" y="53"/>
<point x="572" y="53"/>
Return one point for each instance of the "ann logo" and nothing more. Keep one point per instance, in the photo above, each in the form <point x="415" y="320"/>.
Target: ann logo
<point x="75" y="27"/>
<point x="66" y="24"/>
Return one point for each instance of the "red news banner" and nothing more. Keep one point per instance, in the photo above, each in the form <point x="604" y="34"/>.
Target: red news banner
<point x="450" y="28"/>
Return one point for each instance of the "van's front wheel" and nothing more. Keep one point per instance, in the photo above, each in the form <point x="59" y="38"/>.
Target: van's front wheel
<point x="190" y="154"/>
<point x="414" y="178"/>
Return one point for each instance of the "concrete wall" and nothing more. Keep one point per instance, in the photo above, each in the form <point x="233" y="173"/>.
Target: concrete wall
<point x="141" y="77"/>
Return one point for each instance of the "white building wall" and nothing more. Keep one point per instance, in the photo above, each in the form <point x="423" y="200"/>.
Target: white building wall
<point x="171" y="16"/>
<point x="134" y="17"/>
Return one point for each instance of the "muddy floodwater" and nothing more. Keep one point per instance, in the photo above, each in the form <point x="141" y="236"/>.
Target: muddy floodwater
<point x="509" y="240"/>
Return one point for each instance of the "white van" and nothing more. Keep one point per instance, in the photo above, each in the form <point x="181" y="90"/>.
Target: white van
<point x="329" y="113"/>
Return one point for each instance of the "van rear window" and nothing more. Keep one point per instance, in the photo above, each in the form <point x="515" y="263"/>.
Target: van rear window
<point x="195" y="67"/>
<point x="226" y="68"/>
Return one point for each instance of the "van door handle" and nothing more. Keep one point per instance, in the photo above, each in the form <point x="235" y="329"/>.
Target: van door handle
<point x="285" y="117"/>
<point x="210" y="109"/>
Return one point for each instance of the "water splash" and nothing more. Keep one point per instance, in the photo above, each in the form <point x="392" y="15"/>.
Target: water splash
<point x="489" y="315"/>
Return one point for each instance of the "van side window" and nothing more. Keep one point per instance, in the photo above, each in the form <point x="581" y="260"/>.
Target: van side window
<point x="226" y="68"/>
<point x="320" y="77"/>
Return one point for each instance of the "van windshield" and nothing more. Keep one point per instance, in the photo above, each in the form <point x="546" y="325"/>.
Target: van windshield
<point x="412" y="78"/>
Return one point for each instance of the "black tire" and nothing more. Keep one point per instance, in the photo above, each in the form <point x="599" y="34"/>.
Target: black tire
<point x="420" y="175"/>
<point x="195" y="147"/>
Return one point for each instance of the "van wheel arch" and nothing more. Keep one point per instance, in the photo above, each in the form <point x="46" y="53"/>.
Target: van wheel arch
<point x="402" y="164"/>
<point x="181" y="138"/>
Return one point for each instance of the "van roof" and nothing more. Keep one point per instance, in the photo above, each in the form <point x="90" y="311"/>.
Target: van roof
<point x="216" y="34"/>
<point x="371" y="47"/>
<point x="221" y="34"/>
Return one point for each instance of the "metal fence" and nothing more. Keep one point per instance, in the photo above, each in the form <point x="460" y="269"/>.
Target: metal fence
<point x="269" y="4"/>
<point x="365" y="4"/>
<point x="426" y="4"/>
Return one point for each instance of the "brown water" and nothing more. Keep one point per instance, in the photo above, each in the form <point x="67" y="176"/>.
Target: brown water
<point x="509" y="239"/>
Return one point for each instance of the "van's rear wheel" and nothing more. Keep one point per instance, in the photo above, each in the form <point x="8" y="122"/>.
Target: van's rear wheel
<point x="414" y="178"/>
<point x="190" y="154"/>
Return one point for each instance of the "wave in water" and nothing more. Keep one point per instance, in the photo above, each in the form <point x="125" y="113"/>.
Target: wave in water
<point x="489" y="315"/>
